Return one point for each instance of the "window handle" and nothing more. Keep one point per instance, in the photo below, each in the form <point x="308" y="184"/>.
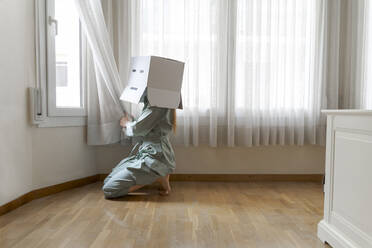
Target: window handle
<point x="55" y="22"/>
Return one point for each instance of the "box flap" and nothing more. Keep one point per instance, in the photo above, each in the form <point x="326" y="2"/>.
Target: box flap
<point x="133" y="93"/>
<point x="165" y="74"/>
<point x="163" y="98"/>
<point x="165" y="82"/>
<point x="137" y="82"/>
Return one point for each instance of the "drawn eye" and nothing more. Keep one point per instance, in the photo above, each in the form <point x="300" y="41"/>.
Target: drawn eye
<point x="141" y="71"/>
<point x="134" y="70"/>
<point x="133" y="88"/>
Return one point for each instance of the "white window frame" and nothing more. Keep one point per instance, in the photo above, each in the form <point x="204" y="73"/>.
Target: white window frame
<point x="46" y="69"/>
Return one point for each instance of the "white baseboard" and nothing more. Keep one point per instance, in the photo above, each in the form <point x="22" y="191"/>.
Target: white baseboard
<point x="331" y="235"/>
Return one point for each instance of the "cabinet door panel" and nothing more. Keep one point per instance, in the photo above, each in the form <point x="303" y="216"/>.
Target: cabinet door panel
<point x="352" y="189"/>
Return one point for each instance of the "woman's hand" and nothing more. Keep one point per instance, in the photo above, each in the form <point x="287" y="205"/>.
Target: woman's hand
<point x="124" y="120"/>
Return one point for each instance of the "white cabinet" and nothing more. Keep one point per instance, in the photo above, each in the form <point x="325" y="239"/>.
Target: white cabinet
<point x="347" y="218"/>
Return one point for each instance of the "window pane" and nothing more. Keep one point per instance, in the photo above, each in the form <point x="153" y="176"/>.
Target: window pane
<point x="67" y="48"/>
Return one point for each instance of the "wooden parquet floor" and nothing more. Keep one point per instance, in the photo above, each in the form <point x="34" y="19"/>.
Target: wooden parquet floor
<point x="196" y="214"/>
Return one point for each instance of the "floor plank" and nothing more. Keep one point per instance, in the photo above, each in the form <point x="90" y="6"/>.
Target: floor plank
<point x="196" y="214"/>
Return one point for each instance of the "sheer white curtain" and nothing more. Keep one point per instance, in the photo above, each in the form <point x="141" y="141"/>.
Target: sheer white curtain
<point x="101" y="75"/>
<point x="278" y="78"/>
<point x="254" y="68"/>
<point x="258" y="72"/>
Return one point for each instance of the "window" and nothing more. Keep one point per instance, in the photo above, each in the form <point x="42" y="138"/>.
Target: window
<point x="59" y="62"/>
<point x="65" y="91"/>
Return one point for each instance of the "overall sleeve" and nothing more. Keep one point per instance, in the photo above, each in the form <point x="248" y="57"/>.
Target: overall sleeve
<point x="145" y="123"/>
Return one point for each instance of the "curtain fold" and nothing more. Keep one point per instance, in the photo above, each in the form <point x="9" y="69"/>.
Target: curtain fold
<point x="101" y="75"/>
<point x="367" y="74"/>
<point x="356" y="55"/>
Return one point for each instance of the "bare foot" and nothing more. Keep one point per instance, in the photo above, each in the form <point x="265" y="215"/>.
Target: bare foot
<point x="164" y="181"/>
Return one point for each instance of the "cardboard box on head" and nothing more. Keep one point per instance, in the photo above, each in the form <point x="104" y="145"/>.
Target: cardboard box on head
<point x="160" y="78"/>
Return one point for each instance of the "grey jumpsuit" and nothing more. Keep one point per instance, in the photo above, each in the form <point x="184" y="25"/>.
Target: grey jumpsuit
<point x="155" y="157"/>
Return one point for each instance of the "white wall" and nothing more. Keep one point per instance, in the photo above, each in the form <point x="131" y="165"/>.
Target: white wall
<point x="30" y="157"/>
<point x="254" y="160"/>
<point x="16" y="73"/>
<point x="60" y="155"/>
